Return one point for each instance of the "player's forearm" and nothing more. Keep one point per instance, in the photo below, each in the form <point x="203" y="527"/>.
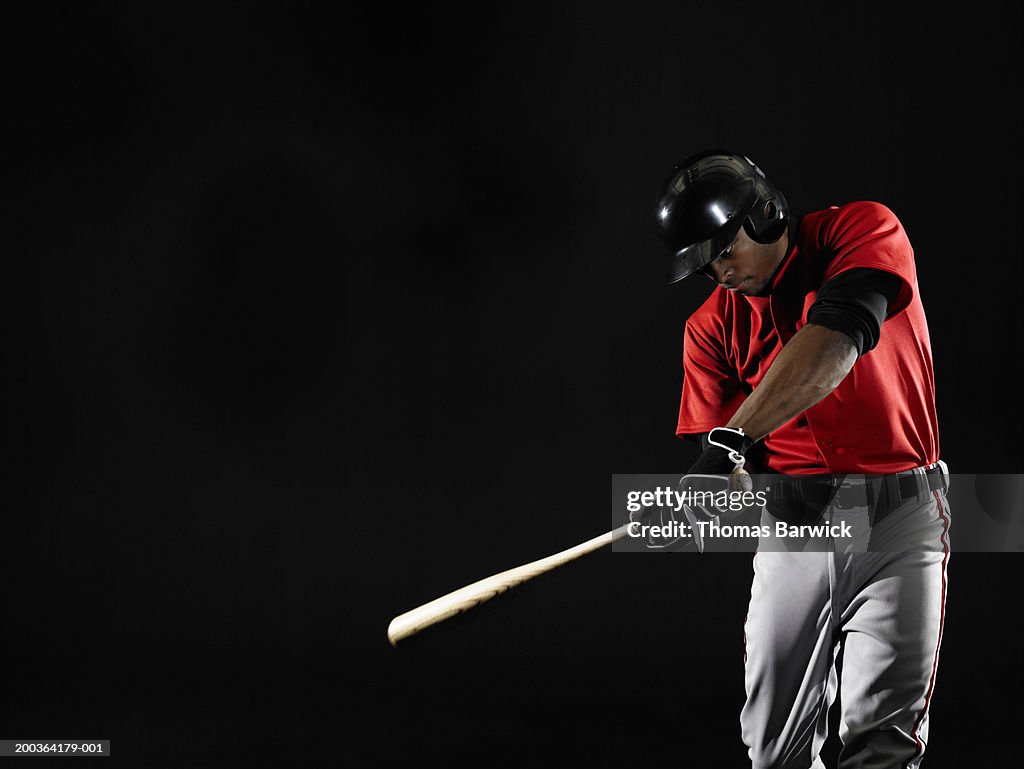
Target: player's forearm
<point x="809" y="367"/>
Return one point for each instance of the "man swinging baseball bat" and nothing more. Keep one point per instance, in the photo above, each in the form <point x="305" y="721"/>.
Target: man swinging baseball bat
<point x="803" y="302"/>
<point x="813" y="351"/>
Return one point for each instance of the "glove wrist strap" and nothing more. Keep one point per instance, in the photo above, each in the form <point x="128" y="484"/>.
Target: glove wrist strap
<point x="733" y="440"/>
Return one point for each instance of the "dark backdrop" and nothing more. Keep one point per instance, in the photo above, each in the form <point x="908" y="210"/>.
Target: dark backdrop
<point x="316" y="313"/>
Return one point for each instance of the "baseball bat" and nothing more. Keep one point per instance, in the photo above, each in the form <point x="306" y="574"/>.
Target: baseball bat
<point x="465" y="598"/>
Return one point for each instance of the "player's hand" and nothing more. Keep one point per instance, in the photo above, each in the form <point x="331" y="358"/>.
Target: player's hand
<point x="699" y="510"/>
<point x="662" y="518"/>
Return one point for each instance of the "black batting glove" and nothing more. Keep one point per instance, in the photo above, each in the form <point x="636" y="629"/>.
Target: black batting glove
<point x="727" y="451"/>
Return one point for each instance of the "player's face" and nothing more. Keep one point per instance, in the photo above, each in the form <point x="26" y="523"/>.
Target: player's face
<point x="746" y="266"/>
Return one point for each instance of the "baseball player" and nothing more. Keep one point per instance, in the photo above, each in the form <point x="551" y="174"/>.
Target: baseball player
<point x="811" y="359"/>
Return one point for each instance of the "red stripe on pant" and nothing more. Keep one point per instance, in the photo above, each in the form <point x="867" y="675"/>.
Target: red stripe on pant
<point x="942" y="622"/>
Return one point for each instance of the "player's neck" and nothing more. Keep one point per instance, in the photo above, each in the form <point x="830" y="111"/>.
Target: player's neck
<point x="779" y="250"/>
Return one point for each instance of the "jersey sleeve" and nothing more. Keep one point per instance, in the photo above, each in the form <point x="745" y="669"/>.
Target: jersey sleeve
<point x="868" y="235"/>
<point x="711" y="388"/>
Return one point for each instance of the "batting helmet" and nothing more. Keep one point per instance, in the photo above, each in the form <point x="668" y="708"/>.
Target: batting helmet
<point x="704" y="202"/>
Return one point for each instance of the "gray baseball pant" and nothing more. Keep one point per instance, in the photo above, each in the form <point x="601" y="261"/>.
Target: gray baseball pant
<point x="882" y="609"/>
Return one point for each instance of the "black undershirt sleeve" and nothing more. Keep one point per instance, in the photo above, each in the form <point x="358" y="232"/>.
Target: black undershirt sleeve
<point x="856" y="302"/>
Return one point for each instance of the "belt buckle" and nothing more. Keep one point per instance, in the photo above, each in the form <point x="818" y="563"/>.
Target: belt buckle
<point x="850" y="496"/>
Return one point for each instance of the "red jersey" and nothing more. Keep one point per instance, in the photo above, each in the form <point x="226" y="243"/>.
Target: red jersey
<point x="881" y="418"/>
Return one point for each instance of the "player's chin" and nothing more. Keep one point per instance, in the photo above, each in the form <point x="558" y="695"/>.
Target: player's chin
<point x="746" y="288"/>
<point x="754" y="287"/>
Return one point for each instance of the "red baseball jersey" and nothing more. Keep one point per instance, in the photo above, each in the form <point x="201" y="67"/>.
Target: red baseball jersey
<point x="881" y="418"/>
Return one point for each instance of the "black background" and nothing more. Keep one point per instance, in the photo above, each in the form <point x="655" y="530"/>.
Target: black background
<point x="316" y="313"/>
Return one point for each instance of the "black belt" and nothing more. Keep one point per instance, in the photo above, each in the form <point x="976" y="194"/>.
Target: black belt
<point x="801" y="499"/>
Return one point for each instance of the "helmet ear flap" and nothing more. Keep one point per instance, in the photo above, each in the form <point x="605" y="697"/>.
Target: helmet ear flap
<point x="769" y="219"/>
<point x="776" y="227"/>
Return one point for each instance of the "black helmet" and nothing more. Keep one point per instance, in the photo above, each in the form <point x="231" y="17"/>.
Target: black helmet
<point x="704" y="201"/>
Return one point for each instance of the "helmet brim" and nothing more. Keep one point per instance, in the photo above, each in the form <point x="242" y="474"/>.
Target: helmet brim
<point x="689" y="260"/>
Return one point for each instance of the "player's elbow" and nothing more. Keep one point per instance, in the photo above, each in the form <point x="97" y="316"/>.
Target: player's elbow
<point x="837" y="353"/>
